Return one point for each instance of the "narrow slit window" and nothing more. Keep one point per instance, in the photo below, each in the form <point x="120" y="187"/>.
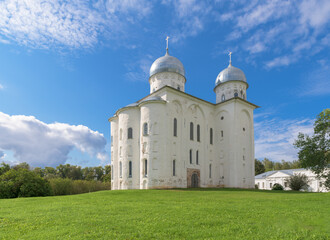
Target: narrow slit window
<point x="210" y="171"/>
<point x="175" y="127"/>
<point x="198" y="133"/>
<point x="145" y="129"/>
<point x="191" y="131"/>
<point x="197" y="157"/>
<point x="130" y="133"/>
<point x="173" y="167"/>
<point x="211" y="136"/>
<point x="130" y="169"/>
<point x="120" y="169"/>
<point x="145" y="167"/>
<point x="190" y="156"/>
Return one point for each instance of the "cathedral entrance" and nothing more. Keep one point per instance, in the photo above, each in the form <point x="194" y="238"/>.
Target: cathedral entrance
<point x="193" y="178"/>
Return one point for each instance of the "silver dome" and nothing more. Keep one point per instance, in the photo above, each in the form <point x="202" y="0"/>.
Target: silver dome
<point x="230" y="74"/>
<point x="167" y="63"/>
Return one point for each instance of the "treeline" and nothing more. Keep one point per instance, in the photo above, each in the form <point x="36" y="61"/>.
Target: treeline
<point x="268" y="165"/>
<point x="22" y="181"/>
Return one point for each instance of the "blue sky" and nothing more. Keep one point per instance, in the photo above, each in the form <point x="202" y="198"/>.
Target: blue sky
<point x="67" y="66"/>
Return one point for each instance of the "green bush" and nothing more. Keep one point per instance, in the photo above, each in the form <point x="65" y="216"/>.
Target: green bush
<point x="23" y="183"/>
<point x="39" y="187"/>
<point x="298" y="182"/>
<point x="61" y="186"/>
<point x="68" y="186"/>
<point x="6" y="189"/>
<point x="277" y="186"/>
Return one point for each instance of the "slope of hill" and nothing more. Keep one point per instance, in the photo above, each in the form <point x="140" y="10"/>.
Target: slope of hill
<point x="168" y="214"/>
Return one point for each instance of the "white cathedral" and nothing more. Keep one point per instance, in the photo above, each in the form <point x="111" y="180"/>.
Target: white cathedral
<point x="171" y="139"/>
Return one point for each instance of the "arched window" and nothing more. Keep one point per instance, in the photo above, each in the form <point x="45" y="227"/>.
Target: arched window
<point x="223" y="98"/>
<point x="178" y="87"/>
<point x="173" y="167"/>
<point x="198" y="133"/>
<point x="197" y="157"/>
<point x="130" y="169"/>
<point x="235" y="94"/>
<point x="145" y="129"/>
<point x="120" y="169"/>
<point x="145" y="167"/>
<point x="191" y="131"/>
<point x="210" y="171"/>
<point x="211" y="136"/>
<point x="241" y="93"/>
<point x="175" y="127"/>
<point x="130" y="133"/>
<point x="190" y="156"/>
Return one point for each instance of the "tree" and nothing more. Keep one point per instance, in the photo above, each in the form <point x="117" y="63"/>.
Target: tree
<point x="39" y="171"/>
<point x="278" y="166"/>
<point x="258" y="167"/>
<point x="50" y="173"/>
<point x="269" y="165"/>
<point x="107" y="174"/>
<point x="314" y="151"/>
<point x="4" y="168"/>
<point x="22" y="165"/>
<point x="23" y="183"/>
<point x="298" y="181"/>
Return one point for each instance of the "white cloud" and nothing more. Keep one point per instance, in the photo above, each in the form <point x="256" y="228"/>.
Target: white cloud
<point x="315" y="13"/>
<point x="45" y="24"/>
<point x="139" y="70"/>
<point x="261" y="14"/>
<point x="41" y="144"/>
<point x="190" y="17"/>
<point x="280" y="28"/>
<point x="274" y="138"/>
<point x="1" y="87"/>
<point x="317" y="82"/>
<point x="280" y="61"/>
<point x="140" y="7"/>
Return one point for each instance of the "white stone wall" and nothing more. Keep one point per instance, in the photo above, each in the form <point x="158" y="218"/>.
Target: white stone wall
<point x="160" y="147"/>
<point x="315" y="184"/>
<point x="228" y="90"/>
<point x="171" y="79"/>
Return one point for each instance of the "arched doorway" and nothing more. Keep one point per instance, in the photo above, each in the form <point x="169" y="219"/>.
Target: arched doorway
<point x="194" y="180"/>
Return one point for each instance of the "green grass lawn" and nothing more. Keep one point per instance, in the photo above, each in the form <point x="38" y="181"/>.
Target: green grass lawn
<point x="168" y="214"/>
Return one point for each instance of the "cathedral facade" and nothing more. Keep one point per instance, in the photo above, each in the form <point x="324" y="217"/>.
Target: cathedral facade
<point x="170" y="139"/>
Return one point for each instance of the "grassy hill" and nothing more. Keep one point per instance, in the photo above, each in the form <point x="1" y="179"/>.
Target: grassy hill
<point x="169" y="214"/>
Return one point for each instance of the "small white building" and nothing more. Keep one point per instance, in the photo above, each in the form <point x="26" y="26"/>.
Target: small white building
<point x="171" y="139"/>
<point x="268" y="179"/>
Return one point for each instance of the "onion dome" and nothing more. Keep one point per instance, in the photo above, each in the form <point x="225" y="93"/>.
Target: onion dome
<point x="167" y="63"/>
<point x="231" y="73"/>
